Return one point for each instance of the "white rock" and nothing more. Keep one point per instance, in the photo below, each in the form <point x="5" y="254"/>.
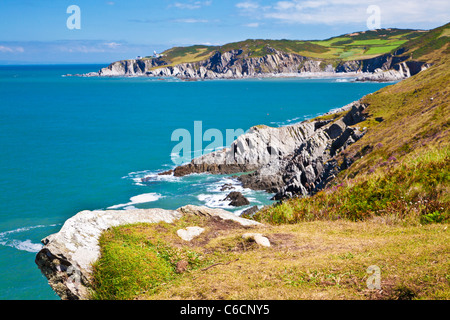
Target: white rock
<point x="190" y="233"/>
<point x="258" y="238"/>
<point x="67" y="256"/>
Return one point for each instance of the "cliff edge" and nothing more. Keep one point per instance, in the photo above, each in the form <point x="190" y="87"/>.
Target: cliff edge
<point x="67" y="256"/>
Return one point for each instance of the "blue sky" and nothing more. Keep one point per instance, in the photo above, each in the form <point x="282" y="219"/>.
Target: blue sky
<point x="35" y="31"/>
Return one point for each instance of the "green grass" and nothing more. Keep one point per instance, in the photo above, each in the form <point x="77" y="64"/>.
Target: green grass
<point x="381" y="50"/>
<point x="400" y="168"/>
<point x="430" y="42"/>
<point x="416" y="191"/>
<point x="132" y="264"/>
<point x="311" y="260"/>
<point x="359" y="46"/>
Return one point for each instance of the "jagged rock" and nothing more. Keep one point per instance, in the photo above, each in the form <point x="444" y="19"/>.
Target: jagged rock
<point x="226" y="187"/>
<point x="397" y="72"/>
<point x="287" y="161"/>
<point x="222" y="214"/>
<point x="258" y="238"/>
<point x="260" y="145"/>
<point x="67" y="256"/>
<point x="233" y="64"/>
<point x="251" y="211"/>
<point x="190" y="233"/>
<point x="237" y="199"/>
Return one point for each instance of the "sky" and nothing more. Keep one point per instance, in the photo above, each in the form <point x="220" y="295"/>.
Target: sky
<point x="42" y="31"/>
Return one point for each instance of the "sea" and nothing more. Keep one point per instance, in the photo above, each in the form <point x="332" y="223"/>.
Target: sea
<point x="70" y="144"/>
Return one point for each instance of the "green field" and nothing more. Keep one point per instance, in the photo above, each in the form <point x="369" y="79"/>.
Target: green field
<point x="355" y="46"/>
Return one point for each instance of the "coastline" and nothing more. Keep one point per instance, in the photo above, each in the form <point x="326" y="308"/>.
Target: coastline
<point x="348" y="76"/>
<point x="67" y="254"/>
<point x="313" y="142"/>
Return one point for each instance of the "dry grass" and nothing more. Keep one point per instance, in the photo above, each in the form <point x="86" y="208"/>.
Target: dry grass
<point x="398" y="185"/>
<point x="315" y="260"/>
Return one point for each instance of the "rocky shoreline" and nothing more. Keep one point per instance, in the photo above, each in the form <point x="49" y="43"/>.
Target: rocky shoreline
<point x="276" y="64"/>
<point x="289" y="161"/>
<point x="294" y="160"/>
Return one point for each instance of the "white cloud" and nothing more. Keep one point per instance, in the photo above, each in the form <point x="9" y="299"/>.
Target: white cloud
<point x="86" y="46"/>
<point x="191" y="20"/>
<point x="247" y="5"/>
<point x="192" y="5"/>
<point x="112" y="44"/>
<point x="252" y="25"/>
<point x="349" y="11"/>
<point x="5" y="49"/>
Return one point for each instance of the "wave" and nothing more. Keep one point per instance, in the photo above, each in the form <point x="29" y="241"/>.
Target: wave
<point x="26" y="245"/>
<point x="140" y="178"/>
<point x="22" y="245"/>
<point x="142" y="198"/>
<point x="214" y="201"/>
<point x="343" y="80"/>
<point x="291" y="121"/>
<point x="215" y="198"/>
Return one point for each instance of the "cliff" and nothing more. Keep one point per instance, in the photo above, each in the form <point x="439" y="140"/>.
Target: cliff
<point x="374" y="55"/>
<point x="290" y="160"/>
<point x="67" y="256"/>
<point x="396" y="170"/>
<point x="235" y="65"/>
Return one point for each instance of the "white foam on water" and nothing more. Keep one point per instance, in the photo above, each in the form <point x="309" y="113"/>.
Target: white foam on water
<point x="150" y="176"/>
<point x="290" y="121"/>
<point x="142" y="198"/>
<point x="26" y="245"/>
<point x="23" y="245"/>
<point x="215" y="198"/>
<point x="215" y="201"/>
<point x="24" y="229"/>
<point x="343" y="80"/>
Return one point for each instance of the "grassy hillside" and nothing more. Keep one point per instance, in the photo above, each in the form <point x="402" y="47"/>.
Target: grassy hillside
<point x="390" y="208"/>
<point x="311" y="260"/>
<point x="355" y="46"/>
<point x="401" y="166"/>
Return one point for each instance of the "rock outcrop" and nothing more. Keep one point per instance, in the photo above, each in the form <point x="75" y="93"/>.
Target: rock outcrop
<point x="235" y="64"/>
<point x="397" y="72"/>
<point x="258" y="238"/>
<point x="237" y="199"/>
<point x="190" y="233"/>
<point x="67" y="256"/>
<point x="288" y="161"/>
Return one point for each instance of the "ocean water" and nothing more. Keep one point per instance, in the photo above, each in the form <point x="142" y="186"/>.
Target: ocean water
<point x="70" y="144"/>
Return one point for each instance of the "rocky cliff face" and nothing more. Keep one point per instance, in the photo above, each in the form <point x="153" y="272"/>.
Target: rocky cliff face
<point x="288" y="161"/>
<point x="233" y="64"/>
<point x="67" y="256"/>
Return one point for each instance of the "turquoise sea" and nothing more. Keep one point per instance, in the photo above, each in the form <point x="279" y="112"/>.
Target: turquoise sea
<point x="70" y="144"/>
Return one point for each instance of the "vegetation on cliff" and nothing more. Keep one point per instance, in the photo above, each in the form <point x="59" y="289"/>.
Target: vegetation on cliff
<point x="400" y="167"/>
<point x="389" y="208"/>
<point x="355" y="46"/>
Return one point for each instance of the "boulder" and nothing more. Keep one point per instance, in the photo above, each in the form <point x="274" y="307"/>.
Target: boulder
<point x="258" y="238"/>
<point x="237" y="199"/>
<point x="251" y="211"/>
<point x="190" y="233"/>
